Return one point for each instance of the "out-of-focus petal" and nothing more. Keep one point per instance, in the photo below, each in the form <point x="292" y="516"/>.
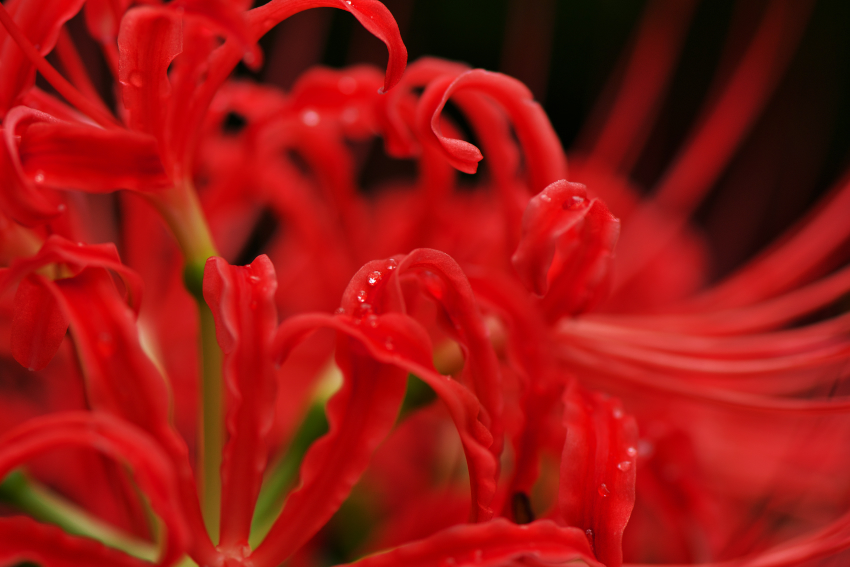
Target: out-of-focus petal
<point x="491" y="544"/>
<point x="38" y="324"/>
<point x="24" y="539"/>
<point x="150" y="466"/>
<point x="40" y="21"/>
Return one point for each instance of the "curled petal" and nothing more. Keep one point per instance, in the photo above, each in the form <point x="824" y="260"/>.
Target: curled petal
<point x="75" y="257"/>
<point x="20" y="198"/>
<point x="24" y="539"/>
<point x="227" y="17"/>
<point x="151" y="467"/>
<point x="597" y="491"/>
<point x="567" y="245"/>
<point x="398" y="340"/>
<point x="491" y="544"/>
<point x="360" y="416"/>
<point x="371" y="14"/>
<point x="242" y="302"/>
<point x="543" y="153"/>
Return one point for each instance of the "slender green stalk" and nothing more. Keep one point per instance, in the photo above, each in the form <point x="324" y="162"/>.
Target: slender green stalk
<point x="212" y="420"/>
<point x="42" y="504"/>
<point x="181" y="210"/>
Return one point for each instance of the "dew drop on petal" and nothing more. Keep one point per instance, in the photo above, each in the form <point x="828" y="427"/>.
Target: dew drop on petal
<point x="645" y="448"/>
<point x="254" y="279"/>
<point x="372" y="321"/>
<point x="362" y="295"/>
<point x="364" y="310"/>
<point x="39" y="176"/>
<point x="625" y="466"/>
<point x="632" y="452"/>
<point x="310" y="117"/>
<point x="389" y="344"/>
<point x="374" y="278"/>
<point x="339" y="311"/>
<point x="392" y="264"/>
<point x="573" y="203"/>
<point x="603" y="490"/>
<point x="618" y="413"/>
<point x="545" y="198"/>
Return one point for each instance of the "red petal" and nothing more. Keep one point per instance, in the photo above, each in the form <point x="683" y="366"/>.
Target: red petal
<point x="151" y="467"/>
<point x="498" y="542"/>
<point x="38" y="324"/>
<point x="567" y="243"/>
<point x="77" y="156"/>
<point x="40" y="21"/>
<point x="360" y="416"/>
<point x="597" y="491"/>
<point x="20" y="199"/>
<point x="230" y="19"/>
<point x="371" y="14"/>
<point x="148" y="41"/>
<point x="542" y="149"/>
<point x="24" y="539"/>
<point x="242" y="302"/>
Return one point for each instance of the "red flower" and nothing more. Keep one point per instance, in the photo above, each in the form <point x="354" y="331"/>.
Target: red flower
<point x="517" y="304"/>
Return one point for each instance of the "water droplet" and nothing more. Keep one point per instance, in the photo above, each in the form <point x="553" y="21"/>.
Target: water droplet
<point x="632" y="452"/>
<point x="347" y="85"/>
<point x="39" y="176"/>
<point x="364" y="310"/>
<point x="625" y="466"/>
<point x="136" y="79"/>
<point x="254" y="279"/>
<point x="389" y="344"/>
<point x="603" y="491"/>
<point x="392" y="264"/>
<point x="310" y="117"/>
<point x="339" y="311"/>
<point x="80" y="244"/>
<point x="348" y="2"/>
<point x="372" y="321"/>
<point x="545" y="198"/>
<point x="573" y="203"/>
<point x="362" y="295"/>
<point x="374" y="278"/>
<point x="618" y="413"/>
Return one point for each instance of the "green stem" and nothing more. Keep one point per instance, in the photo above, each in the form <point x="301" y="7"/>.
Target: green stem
<point x="181" y="210"/>
<point x="212" y="423"/>
<point x="42" y="504"/>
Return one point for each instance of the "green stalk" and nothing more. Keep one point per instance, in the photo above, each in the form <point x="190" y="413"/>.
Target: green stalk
<point x="42" y="504"/>
<point x="181" y="210"/>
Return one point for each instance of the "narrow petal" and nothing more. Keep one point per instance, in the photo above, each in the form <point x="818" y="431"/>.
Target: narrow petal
<point x="40" y="21"/>
<point x="118" y="440"/>
<point x="491" y="544"/>
<point x="567" y="243"/>
<point x="242" y="302"/>
<point x="360" y="416"/>
<point x="38" y="324"/>
<point x="541" y="146"/>
<point x="597" y="491"/>
<point x="371" y="14"/>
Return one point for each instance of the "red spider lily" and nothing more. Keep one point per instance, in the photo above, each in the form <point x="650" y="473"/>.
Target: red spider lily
<point x="516" y="304"/>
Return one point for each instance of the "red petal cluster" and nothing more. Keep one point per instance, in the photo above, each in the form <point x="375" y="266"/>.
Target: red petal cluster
<point x="438" y="359"/>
